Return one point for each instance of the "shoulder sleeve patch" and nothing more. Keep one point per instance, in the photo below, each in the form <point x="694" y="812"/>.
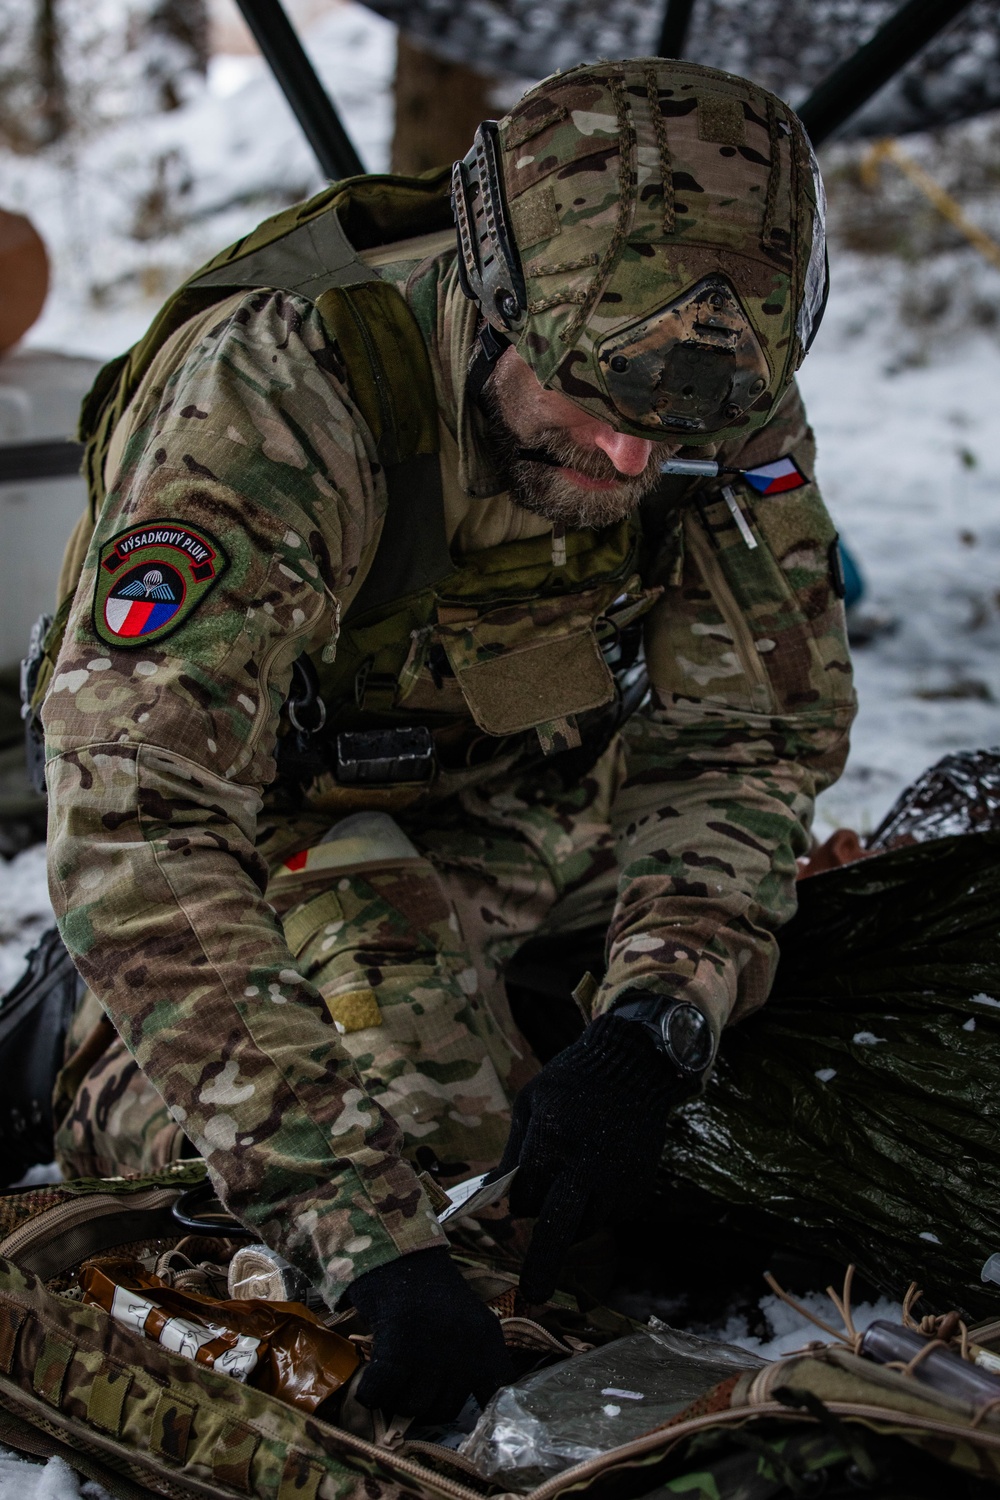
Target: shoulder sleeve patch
<point x="150" y="578"/>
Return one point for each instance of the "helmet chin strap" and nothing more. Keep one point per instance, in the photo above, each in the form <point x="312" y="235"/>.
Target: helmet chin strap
<point x="539" y="456"/>
<point x="490" y="345"/>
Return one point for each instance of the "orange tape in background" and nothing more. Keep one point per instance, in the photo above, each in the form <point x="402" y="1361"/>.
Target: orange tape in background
<point x="946" y="205"/>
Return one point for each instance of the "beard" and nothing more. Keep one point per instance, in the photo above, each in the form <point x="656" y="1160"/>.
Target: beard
<point x="542" y="486"/>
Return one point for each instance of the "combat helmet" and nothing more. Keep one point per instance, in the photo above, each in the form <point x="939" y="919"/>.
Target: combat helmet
<point x="650" y="235"/>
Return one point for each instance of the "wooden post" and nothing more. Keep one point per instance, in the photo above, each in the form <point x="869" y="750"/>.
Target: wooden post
<point x="438" y="106"/>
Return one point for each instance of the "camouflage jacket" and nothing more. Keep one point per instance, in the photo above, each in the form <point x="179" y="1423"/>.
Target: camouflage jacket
<point x="245" y="442"/>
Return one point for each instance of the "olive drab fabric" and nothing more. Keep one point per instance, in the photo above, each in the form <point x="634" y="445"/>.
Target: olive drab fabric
<point x="319" y="1010"/>
<point x="670" y="225"/>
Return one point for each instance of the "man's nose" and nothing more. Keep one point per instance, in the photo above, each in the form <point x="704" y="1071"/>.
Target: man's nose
<point x="629" y="455"/>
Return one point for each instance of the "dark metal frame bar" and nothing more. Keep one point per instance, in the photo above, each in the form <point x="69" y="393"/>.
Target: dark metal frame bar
<point x="310" y="103"/>
<point x="675" y="28"/>
<point x="860" y="76"/>
<point x="54" y="458"/>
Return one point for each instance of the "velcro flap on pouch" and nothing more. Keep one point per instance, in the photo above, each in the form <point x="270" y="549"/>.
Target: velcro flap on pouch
<point x="173" y="1419"/>
<point x="232" y="1456"/>
<point x="106" y="1403"/>
<point x="50" y="1368"/>
<point x="525" y="664"/>
<point x="11" y="1319"/>
<point x="552" y="680"/>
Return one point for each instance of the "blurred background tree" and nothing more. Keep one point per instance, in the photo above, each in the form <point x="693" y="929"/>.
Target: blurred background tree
<point x="72" y="67"/>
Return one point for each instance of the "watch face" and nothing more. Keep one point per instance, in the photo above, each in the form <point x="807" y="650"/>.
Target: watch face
<point x="688" y="1037"/>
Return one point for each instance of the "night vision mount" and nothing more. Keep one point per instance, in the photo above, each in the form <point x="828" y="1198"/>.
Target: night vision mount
<point x="488" y="263"/>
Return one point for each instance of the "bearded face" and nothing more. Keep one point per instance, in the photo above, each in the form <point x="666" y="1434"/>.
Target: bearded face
<point x="561" y="462"/>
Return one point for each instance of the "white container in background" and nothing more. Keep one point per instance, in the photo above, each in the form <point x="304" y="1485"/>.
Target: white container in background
<point x="40" y="395"/>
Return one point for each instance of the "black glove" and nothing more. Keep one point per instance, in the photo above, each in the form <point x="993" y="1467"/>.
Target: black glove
<point x="586" y="1136"/>
<point x="433" y="1342"/>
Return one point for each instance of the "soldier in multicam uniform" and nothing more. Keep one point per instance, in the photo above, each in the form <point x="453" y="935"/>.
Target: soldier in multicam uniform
<point x="310" y="989"/>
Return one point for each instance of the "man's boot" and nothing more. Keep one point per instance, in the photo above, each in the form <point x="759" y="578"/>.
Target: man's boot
<point x="34" y="1018"/>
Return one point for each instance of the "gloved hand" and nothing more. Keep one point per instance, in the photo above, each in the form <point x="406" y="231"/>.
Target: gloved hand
<point x="434" y="1342"/>
<point x="586" y="1136"/>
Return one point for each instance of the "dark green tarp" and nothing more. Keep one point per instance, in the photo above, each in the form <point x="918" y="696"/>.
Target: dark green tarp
<point x="861" y="1108"/>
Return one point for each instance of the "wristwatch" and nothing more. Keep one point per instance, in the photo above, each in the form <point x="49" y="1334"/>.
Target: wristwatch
<point x="680" y="1030"/>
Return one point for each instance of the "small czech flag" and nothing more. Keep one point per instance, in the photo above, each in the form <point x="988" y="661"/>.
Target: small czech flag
<point x="773" y="479"/>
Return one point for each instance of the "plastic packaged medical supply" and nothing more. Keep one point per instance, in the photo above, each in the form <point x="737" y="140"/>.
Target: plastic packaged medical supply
<point x="574" y="1411"/>
<point x="279" y="1347"/>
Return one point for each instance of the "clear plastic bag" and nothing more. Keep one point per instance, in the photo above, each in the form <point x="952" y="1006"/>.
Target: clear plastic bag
<point x="576" y="1410"/>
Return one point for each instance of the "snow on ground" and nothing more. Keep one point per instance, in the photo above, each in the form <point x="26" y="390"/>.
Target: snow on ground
<point x="789" y="1331"/>
<point x="54" y="1480"/>
<point x="24" y="910"/>
<point x="129" y="213"/>
<point x="909" y="462"/>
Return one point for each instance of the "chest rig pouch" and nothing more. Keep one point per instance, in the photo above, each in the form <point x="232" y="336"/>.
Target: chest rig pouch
<point x="507" y="655"/>
<point x="530" y="642"/>
<point x="520" y="666"/>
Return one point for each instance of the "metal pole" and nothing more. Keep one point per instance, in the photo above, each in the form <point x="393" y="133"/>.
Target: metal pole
<point x="674" y="31"/>
<point x="53" y="458"/>
<point x="855" y="81"/>
<point x="296" y="77"/>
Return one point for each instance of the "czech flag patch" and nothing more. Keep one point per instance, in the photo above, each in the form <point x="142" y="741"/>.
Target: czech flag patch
<point x="774" y="479"/>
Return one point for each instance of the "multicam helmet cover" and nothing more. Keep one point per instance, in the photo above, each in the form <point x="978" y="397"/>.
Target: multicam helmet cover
<point x="650" y="235"/>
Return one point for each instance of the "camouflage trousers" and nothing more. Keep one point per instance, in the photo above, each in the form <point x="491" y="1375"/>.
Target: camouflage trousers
<point x="405" y="925"/>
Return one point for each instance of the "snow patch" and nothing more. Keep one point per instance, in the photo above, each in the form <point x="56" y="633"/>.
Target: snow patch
<point x="54" y="1480"/>
<point x="25" y="911"/>
<point x="908" y="466"/>
<point x="130" y="212"/>
<point x="789" y="1331"/>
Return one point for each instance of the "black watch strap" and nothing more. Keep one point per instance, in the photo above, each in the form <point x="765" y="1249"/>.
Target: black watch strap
<point x="679" y="1029"/>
